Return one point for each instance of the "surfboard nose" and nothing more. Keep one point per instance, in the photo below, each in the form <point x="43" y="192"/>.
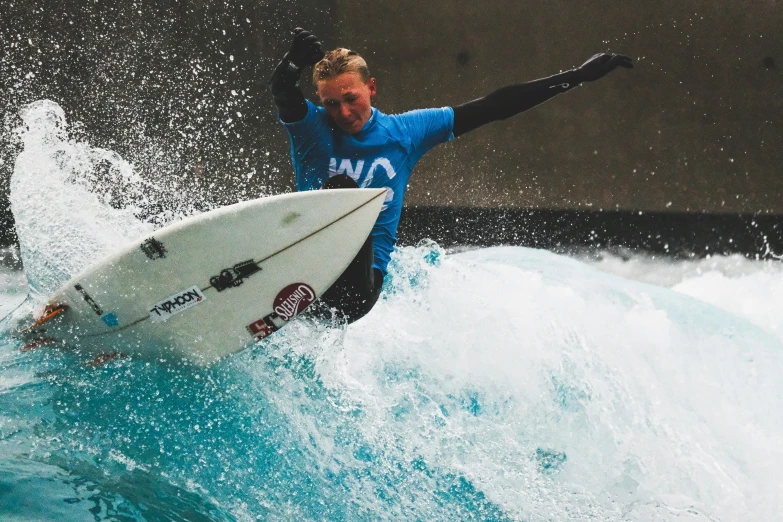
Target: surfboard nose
<point x="348" y="200"/>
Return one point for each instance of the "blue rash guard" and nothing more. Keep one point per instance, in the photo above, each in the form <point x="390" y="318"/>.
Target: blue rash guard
<point x="382" y="154"/>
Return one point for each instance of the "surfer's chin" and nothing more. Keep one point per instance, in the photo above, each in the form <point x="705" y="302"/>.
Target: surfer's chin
<point x="351" y="128"/>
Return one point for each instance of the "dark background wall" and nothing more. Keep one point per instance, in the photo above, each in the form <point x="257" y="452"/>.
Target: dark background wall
<point x="697" y="126"/>
<point x="178" y="88"/>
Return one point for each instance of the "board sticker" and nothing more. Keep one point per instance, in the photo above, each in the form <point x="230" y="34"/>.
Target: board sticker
<point x="90" y="300"/>
<point x="260" y="329"/>
<point x="266" y="326"/>
<point x="234" y="276"/>
<point x="153" y="249"/>
<point x="293" y="299"/>
<point x="175" y="304"/>
<point x="110" y="319"/>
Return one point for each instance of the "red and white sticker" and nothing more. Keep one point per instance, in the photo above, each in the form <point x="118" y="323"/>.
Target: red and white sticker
<point x="266" y="326"/>
<point x="260" y="329"/>
<point x="292" y="299"/>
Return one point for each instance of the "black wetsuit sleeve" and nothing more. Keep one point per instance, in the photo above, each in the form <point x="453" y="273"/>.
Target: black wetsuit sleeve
<point x="510" y="101"/>
<point x="284" y="84"/>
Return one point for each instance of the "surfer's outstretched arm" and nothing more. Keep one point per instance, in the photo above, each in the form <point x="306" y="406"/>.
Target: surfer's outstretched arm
<point x="305" y="50"/>
<point x="510" y="101"/>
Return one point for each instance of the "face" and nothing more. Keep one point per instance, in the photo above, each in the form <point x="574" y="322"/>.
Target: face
<point x="346" y="99"/>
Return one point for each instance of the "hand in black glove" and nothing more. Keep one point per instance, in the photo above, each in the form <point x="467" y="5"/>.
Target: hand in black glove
<point x="305" y="49"/>
<point x="602" y="64"/>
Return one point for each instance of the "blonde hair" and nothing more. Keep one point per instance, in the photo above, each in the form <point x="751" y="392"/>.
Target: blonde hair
<point x="340" y="61"/>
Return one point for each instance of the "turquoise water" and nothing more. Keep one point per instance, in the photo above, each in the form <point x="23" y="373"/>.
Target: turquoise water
<point x="495" y="384"/>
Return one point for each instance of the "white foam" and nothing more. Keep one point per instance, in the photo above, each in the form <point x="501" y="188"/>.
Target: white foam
<point x="61" y="196"/>
<point x="556" y="389"/>
<point x="748" y="288"/>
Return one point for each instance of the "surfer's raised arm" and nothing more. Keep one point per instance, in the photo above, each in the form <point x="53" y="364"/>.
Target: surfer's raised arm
<point x="305" y="50"/>
<point x="510" y="101"/>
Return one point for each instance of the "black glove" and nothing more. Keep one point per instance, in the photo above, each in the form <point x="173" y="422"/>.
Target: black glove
<point x="305" y="49"/>
<point x="600" y="65"/>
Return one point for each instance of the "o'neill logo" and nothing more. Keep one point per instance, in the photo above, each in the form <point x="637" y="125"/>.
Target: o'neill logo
<point x="293" y="299"/>
<point x="175" y="304"/>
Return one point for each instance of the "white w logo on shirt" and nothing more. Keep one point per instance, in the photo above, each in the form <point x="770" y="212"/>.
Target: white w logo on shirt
<point x="346" y="167"/>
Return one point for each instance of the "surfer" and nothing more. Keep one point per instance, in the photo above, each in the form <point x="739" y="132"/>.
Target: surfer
<point x="347" y="142"/>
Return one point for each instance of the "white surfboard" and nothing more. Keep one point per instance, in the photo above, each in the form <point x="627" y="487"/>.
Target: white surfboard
<point x="215" y="283"/>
